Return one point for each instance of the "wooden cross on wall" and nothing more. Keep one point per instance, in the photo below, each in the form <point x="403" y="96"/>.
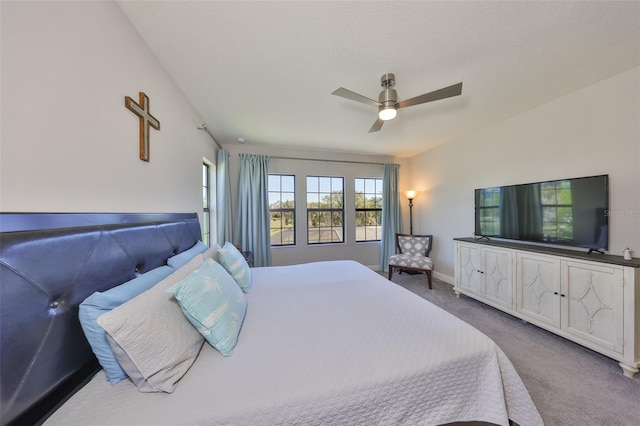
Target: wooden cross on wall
<point x="146" y="120"/>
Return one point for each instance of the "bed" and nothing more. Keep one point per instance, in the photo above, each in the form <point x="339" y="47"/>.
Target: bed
<point x="322" y="343"/>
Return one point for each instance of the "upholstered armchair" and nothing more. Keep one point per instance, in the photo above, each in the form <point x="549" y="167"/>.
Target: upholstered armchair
<point x="412" y="254"/>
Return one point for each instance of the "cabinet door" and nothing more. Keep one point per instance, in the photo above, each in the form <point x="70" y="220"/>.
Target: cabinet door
<point x="593" y="303"/>
<point x="498" y="276"/>
<point x="538" y="287"/>
<point x="468" y="275"/>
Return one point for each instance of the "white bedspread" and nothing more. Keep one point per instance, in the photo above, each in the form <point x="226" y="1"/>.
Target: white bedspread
<point x="328" y="343"/>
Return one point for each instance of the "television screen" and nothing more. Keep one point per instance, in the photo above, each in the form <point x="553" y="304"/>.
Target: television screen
<point x="569" y="212"/>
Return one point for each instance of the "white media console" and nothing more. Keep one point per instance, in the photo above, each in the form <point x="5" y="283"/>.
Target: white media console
<point x="591" y="299"/>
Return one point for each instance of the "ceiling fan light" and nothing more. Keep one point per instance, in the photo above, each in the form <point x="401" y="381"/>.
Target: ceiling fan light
<point x="387" y="113"/>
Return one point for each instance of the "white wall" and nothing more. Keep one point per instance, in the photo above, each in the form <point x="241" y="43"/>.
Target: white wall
<point x="68" y="144"/>
<point x="593" y="131"/>
<point x="365" y="253"/>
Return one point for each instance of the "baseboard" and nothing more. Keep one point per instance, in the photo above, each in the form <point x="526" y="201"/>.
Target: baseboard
<point x="437" y="275"/>
<point x="442" y="277"/>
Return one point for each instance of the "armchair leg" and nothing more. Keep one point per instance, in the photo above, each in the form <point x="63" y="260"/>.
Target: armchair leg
<point x="429" y="279"/>
<point x="390" y="272"/>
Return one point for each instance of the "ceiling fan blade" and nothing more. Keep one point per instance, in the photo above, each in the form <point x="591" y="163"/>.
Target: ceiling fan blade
<point x="436" y="95"/>
<point x="376" y="126"/>
<point x="346" y="93"/>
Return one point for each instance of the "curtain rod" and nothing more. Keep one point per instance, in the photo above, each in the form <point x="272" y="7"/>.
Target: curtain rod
<point x="329" y="161"/>
<point x="204" y="127"/>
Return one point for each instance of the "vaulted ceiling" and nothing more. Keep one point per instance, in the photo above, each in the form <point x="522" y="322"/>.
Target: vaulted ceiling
<point x="264" y="71"/>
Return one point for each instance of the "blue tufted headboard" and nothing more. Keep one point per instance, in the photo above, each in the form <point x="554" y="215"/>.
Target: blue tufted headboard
<point x="49" y="263"/>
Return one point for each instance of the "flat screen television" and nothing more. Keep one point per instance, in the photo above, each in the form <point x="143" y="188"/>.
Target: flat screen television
<point x="571" y="212"/>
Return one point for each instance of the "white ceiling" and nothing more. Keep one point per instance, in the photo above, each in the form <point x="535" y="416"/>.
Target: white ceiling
<point x="264" y="71"/>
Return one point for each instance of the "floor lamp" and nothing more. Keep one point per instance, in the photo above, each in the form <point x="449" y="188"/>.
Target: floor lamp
<point x="411" y="195"/>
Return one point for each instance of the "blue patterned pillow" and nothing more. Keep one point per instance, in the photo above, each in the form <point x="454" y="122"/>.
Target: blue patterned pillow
<point x="214" y="304"/>
<point x="236" y="265"/>
<point x="99" y="303"/>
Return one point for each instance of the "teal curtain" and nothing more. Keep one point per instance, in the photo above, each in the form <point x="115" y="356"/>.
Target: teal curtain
<point x="223" y="198"/>
<point x="252" y="216"/>
<point x="391" y="217"/>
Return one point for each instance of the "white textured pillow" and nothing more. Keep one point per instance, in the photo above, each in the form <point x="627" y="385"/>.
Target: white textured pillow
<point x="151" y="338"/>
<point x="212" y="252"/>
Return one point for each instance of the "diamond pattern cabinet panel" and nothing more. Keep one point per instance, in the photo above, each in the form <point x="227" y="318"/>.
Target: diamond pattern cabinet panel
<point x="538" y="288"/>
<point x="468" y="268"/>
<point x="498" y="276"/>
<point x="593" y="303"/>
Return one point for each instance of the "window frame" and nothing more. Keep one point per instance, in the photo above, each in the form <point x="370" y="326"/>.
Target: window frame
<point x="378" y="184"/>
<point x="329" y="210"/>
<point x="283" y="210"/>
<point x="206" y="203"/>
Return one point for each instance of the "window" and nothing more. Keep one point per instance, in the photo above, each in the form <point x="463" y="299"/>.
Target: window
<point x="206" y="204"/>
<point x="282" y="209"/>
<point x="557" y="211"/>
<point x="368" y="209"/>
<point x="325" y="209"/>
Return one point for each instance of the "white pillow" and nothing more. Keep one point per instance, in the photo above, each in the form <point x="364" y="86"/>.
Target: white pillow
<point x="212" y="252"/>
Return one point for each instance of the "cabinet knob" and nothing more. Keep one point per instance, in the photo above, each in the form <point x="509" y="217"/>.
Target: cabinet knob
<point x="555" y="292"/>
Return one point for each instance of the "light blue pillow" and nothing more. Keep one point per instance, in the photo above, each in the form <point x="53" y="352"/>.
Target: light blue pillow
<point x="236" y="265"/>
<point x="179" y="260"/>
<point x="214" y="304"/>
<point x="99" y="303"/>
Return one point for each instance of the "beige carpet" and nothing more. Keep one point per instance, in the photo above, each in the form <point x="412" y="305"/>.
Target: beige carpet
<point x="570" y="384"/>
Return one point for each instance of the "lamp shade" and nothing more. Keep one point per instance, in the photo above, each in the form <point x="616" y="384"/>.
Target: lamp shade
<point x="411" y="194"/>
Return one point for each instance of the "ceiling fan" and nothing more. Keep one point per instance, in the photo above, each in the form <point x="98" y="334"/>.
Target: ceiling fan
<point x="388" y="104"/>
